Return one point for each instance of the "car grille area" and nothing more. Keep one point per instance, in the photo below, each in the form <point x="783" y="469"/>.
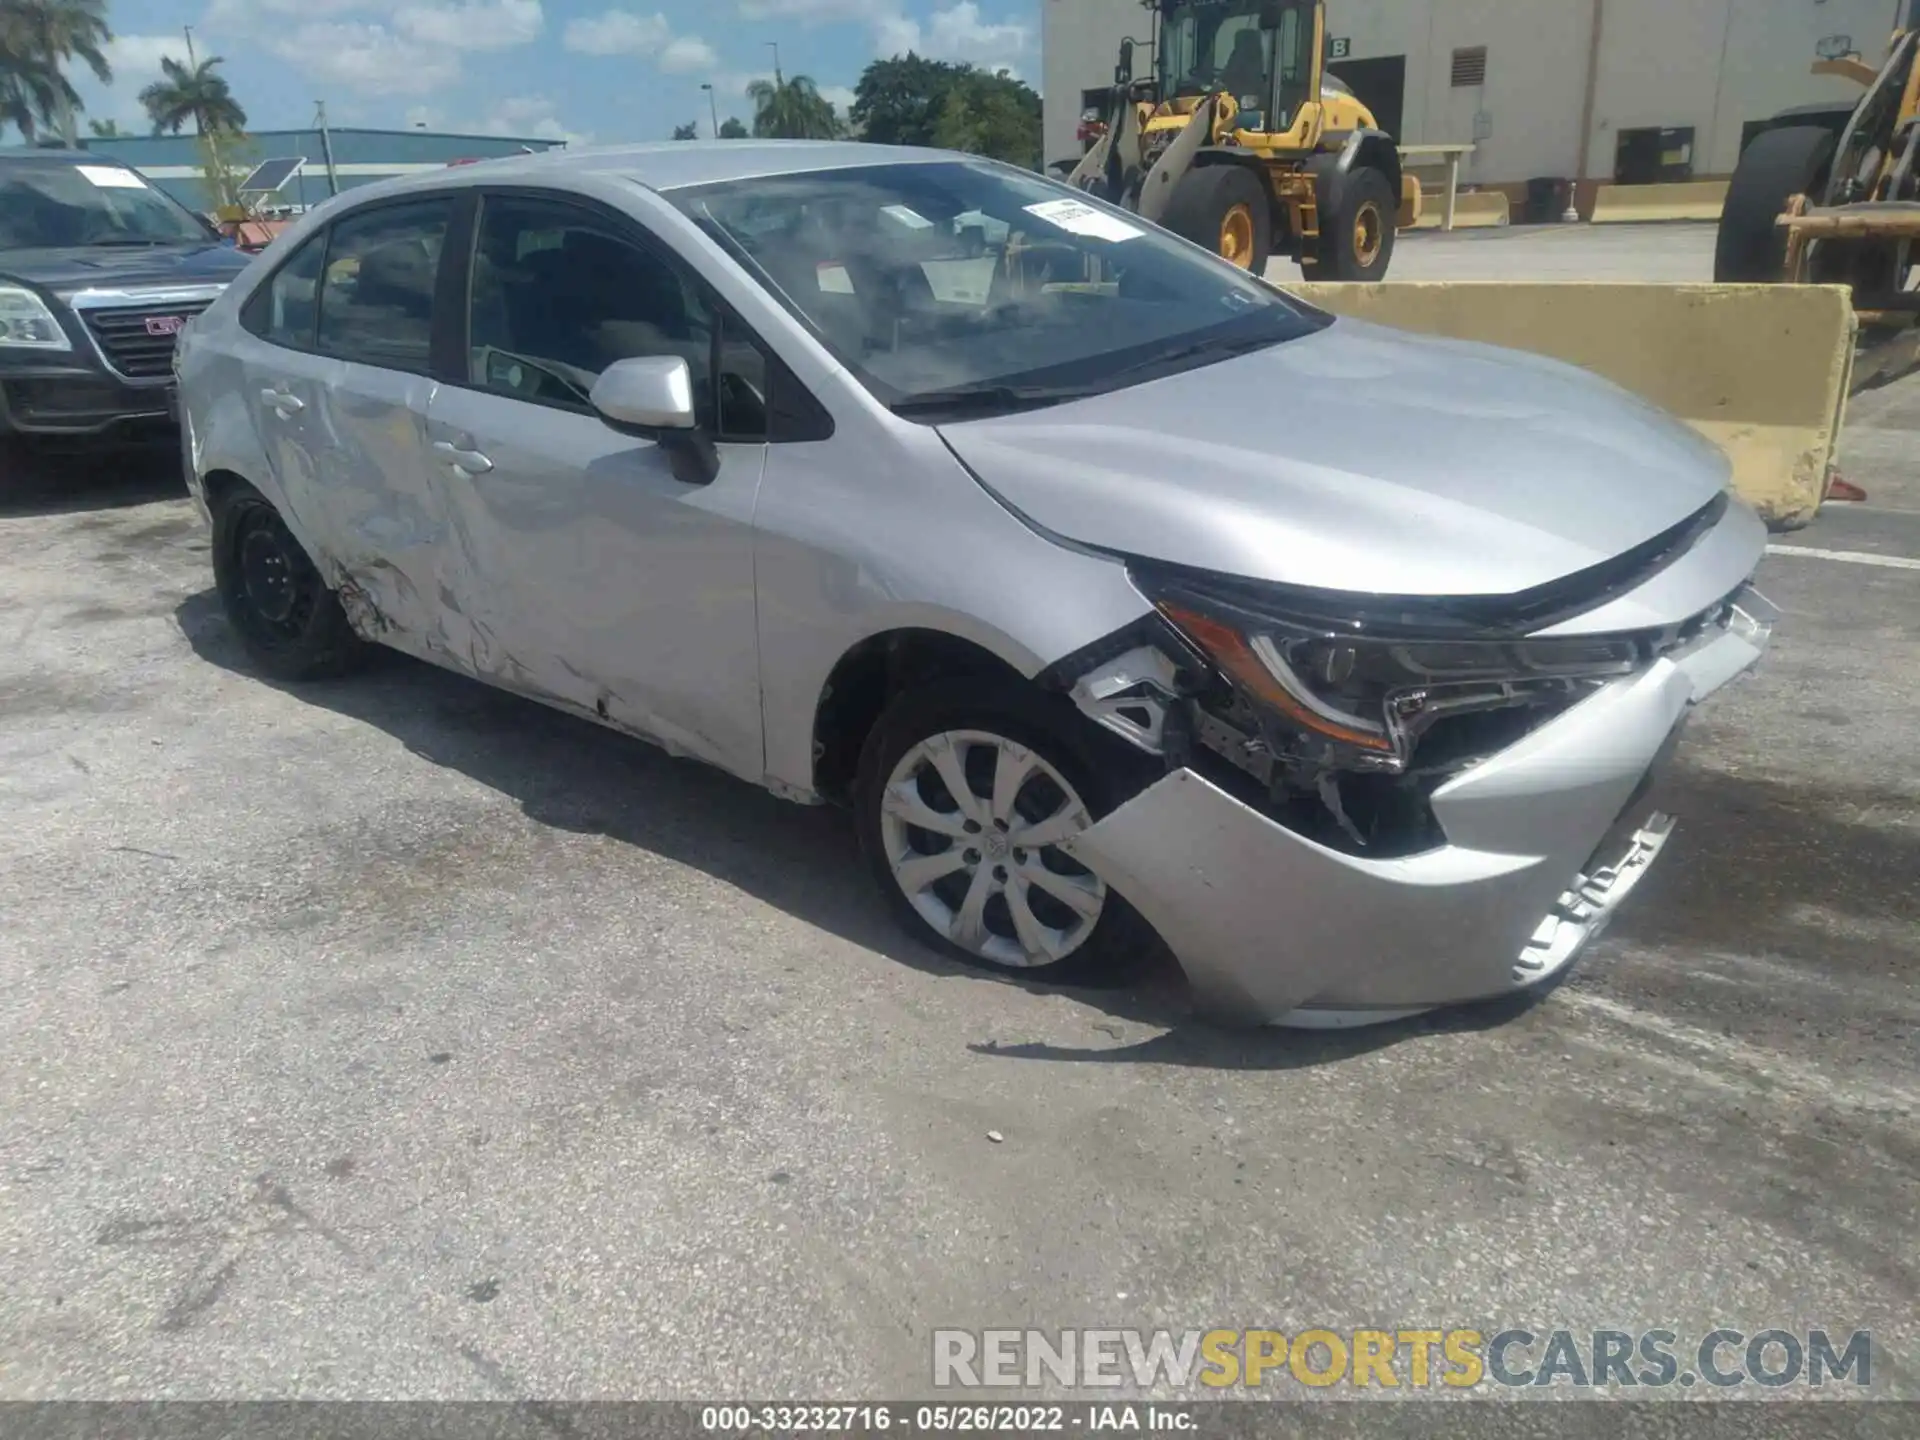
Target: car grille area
<point x="138" y="340"/>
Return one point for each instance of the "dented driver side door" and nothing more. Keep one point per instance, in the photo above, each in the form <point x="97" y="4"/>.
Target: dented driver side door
<point x="339" y="390"/>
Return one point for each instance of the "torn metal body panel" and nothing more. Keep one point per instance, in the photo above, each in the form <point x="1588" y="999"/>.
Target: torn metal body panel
<point x="1271" y="926"/>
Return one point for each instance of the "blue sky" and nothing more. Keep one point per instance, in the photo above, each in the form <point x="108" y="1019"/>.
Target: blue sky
<point x="575" y="69"/>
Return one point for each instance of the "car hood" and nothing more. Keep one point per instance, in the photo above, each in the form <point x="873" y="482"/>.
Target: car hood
<point x="1358" y="458"/>
<point x="97" y="267"/>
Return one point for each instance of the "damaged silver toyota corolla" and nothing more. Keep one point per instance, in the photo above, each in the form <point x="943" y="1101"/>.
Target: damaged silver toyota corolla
<point x="1110" y="587"/>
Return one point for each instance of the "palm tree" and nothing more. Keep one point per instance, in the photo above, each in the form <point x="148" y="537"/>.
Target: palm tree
<point x="792" y="110"/>
<point x="37" y="39"/>
<point x="193" y="93"/>
<point x="105" y="129"/>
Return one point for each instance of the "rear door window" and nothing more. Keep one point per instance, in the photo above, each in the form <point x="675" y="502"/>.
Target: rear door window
<point x="284" y="309"/>
<point x="376" y="293"/>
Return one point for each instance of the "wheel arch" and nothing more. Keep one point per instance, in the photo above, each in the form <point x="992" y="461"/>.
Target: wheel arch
<point x="1370" y="150"/>
<point x="875" y="670"/>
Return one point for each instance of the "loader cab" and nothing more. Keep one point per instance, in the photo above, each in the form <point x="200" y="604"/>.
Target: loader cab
<point x="1261" y="52"/>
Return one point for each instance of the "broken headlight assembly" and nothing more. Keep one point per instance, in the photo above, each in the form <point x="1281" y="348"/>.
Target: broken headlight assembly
<point x="1367" y="683"/>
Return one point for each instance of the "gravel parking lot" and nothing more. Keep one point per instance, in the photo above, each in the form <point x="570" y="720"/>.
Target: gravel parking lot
<point x="395" y="1037"/>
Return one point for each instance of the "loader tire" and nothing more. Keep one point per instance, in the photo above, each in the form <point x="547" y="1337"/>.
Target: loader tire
<point x="1751" y="248"/>
<point x="1224" y="208"/>
<point x="1357" y="227"/>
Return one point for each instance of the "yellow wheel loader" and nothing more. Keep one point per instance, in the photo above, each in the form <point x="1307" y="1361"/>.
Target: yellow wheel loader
<point x="1241" y="142"/>
<point x="1831" y="194"/>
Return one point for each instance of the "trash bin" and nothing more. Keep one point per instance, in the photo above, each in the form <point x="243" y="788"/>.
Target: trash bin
<point x="1547" y="199"/>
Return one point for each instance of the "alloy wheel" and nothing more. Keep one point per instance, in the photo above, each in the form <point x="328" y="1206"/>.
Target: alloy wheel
<point x="972" y="824"/>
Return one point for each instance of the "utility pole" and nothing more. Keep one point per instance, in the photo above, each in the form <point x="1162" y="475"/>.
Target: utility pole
<point x="192" y="62"/>
<point x="713" y="112"/>
<point x="326" y="146"/>
<point x="774" y="45"/>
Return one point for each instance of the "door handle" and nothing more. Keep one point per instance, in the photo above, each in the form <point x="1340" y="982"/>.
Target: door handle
<point x="470" y="462"/>
<point x="284" y="402"/>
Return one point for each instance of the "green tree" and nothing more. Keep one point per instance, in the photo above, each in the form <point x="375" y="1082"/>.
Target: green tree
<point x="192" y="93"/>
<point x="688" y="131"/>
<point x="105" y="129"/>
<point x="732" y="129"/>
<point x="38" y="38"/>
<point x="792" y="109"/>
<point x="993" y="115"/>
<point x="910" y="100"/>
<point x="898" y="101"/>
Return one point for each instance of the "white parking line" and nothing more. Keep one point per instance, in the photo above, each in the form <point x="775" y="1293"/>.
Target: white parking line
<point x="1851" y="557"/>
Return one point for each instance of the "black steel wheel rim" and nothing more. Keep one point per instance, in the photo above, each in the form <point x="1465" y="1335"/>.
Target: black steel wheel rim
<point x="277" y="584"/>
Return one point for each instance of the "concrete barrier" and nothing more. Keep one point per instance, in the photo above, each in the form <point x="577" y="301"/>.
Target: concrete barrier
<point x="1481" y="208"/>
<point x="1763" y="371"/>
<point x="1688" y="200"/>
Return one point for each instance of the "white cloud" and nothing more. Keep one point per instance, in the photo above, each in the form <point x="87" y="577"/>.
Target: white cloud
<point x="529" y="117"/>
<point x="816" y="12"/>
<point x="841" y="96"/>
<point x="138" y="57"/>
<point x="689" y="52"/>
<point x="362" y="56"/>
<point x="617" y="32"/>
<point x="956" y="33"/>
<point x="473" y="25"/>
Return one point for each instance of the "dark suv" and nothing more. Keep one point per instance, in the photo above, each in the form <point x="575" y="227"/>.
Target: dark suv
<point x="99" y="272"/>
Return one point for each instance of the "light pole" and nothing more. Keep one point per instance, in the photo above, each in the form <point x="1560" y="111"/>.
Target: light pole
<point x="713" y="112"/>
<point x="774" y="45"/>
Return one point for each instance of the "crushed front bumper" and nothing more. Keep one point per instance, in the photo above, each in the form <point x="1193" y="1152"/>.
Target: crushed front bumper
<point x="1272" y="927"/>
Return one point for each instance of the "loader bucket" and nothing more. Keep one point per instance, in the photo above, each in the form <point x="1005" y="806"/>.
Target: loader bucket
<point x="1763" y="371"/>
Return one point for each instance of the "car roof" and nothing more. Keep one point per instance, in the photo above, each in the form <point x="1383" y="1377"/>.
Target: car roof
<point x="668" y="164"/>
<point x="51" y="155"/>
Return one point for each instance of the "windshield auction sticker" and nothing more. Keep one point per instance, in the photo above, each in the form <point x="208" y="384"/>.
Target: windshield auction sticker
<point x="1078" y="219"/>
<point x="112" y="177"/>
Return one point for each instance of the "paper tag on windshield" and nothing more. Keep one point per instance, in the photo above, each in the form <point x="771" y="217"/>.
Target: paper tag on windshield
<point x="912" y="219"/>
<point x="1078" y="219"/>
<point x="112" y="177"/>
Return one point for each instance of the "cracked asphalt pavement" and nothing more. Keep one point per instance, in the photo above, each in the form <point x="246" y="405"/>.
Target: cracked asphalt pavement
<point x="395" y="1037"/>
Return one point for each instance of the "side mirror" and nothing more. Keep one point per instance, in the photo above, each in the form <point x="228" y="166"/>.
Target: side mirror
<point x="651" y="396"/>
<point x="649" y="392"/>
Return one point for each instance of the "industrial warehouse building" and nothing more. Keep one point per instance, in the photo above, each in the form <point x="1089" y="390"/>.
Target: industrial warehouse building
<point x="359" y="157"/>
<point x="1625" y="91"/>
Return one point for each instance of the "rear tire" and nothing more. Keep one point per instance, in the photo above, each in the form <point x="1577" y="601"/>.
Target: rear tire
<point x="1357" y="227"/>
<point x="951" y="865"/>
<point x="1225" y="208"/>
<point x="289" y="621"/>
<point x="1751" y="248"/>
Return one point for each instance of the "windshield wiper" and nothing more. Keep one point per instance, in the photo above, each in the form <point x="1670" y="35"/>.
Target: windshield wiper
<point x="102" y="244"/>
<point x="992" y="399"/>
<point x="1215" y="348"/>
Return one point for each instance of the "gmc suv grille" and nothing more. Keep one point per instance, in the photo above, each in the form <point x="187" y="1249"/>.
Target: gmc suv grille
<point x="137" y="340"/>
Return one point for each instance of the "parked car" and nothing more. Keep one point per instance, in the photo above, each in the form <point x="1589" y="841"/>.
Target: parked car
<point x="99" y="272"/>
<point x="1128" y="592"/>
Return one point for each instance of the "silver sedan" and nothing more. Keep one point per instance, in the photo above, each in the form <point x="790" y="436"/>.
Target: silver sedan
<point x="1114" y="591"/>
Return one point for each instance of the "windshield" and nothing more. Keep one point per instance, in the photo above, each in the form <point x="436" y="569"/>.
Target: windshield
<point x="1208" y="45"/>
<point x="967" y="286"/>
<point x="48" y="206"/>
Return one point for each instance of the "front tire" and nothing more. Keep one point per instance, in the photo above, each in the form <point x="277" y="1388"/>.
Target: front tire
<point x="1751" y="248"/>
<point x="965" y="789"/>
<point x="1224" y="208"/>
<point x="289" y="621"/>
<point x="1357" y="227"/>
